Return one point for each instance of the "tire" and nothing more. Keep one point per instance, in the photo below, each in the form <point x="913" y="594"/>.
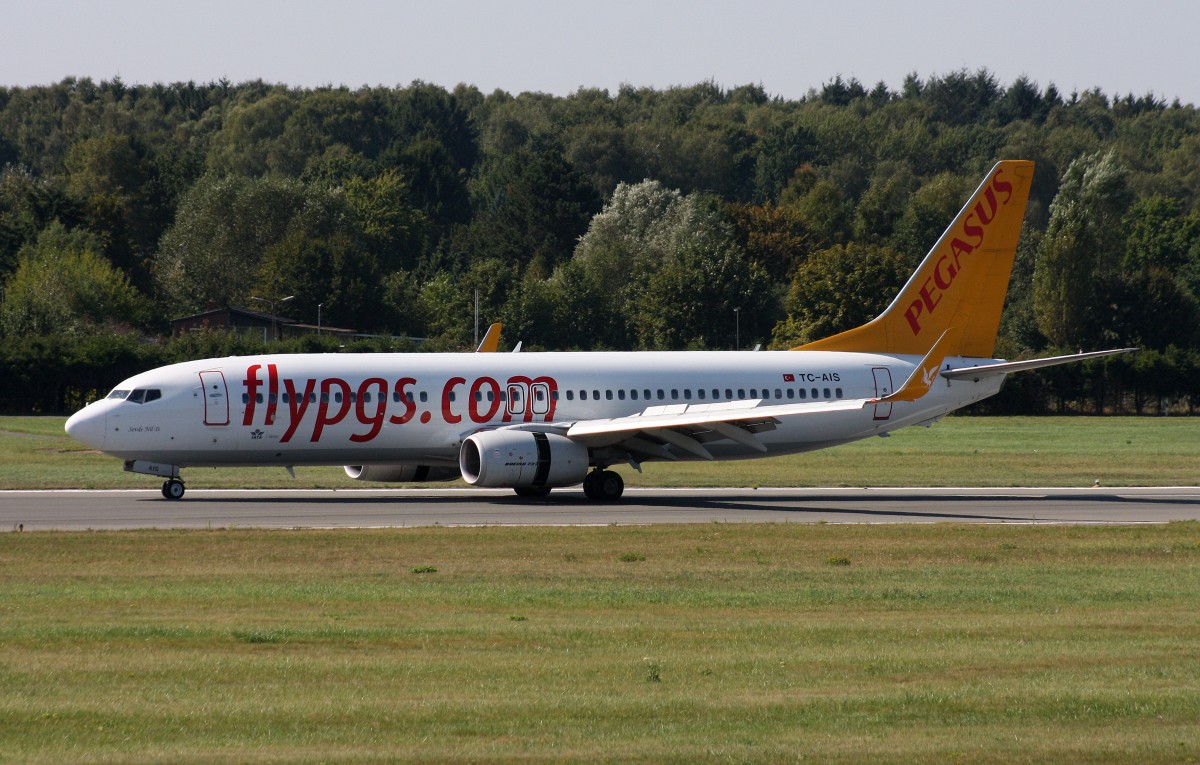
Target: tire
<point x="173" y="489"/>
<point x="609" y="486"/>
<point x="532" y="492"/>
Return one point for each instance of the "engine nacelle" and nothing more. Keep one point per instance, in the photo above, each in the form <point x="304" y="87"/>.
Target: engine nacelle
<point x="521" y="458"/>
<point x="401" y="473"/>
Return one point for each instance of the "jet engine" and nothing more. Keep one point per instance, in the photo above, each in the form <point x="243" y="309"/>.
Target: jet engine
<point x="521" y="458"/>
<point x="406" y="473"/>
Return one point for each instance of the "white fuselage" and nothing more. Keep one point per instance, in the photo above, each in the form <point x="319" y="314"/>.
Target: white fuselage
<point x="361" y="409"/>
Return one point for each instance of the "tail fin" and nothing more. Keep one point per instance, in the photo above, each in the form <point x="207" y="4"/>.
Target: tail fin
<point x="963" y="279"/>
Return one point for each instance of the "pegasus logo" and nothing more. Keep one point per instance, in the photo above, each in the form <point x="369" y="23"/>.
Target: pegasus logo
<point x="970" y="237"/>
<point x="928" y="376"/>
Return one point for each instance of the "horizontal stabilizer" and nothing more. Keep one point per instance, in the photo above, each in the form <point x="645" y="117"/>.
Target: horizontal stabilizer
<point x="1003" y="368"/>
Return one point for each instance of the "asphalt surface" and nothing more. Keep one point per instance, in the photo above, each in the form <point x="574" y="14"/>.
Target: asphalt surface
<point x="358" y="508"/>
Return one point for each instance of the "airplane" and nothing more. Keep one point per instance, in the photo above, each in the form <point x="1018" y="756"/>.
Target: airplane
<point x="533" y="422"/>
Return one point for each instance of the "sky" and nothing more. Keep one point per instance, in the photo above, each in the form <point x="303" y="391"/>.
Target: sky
<point x="787" y="47"/>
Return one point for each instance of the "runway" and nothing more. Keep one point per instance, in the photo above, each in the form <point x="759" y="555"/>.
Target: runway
<point x="375" y="508"/>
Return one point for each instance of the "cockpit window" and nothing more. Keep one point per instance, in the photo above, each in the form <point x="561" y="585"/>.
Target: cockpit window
<point x="138" y="395"/>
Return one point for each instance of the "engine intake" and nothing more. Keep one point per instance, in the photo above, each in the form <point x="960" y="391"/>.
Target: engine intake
<point x="522" y="458"/>
<point x="401" y="473"/>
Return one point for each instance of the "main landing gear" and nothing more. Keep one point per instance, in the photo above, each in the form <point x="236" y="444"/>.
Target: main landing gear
<point x="172" y="488"/>
<point x="603" y="485"/>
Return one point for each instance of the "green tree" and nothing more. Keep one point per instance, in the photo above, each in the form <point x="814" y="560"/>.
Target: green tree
<point x="64" y="285"/>
<point x="838" y="289"/>
<point x="1078" y="263"/>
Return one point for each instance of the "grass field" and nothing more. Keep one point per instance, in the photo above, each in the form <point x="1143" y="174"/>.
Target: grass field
<point x="697" y="644"/>
<point x="959" y="451"/>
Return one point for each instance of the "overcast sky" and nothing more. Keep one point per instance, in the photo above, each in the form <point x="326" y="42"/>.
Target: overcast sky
<point x="557" y="47"/>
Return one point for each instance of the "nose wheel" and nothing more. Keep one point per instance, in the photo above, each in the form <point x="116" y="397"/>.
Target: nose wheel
<point x="172" y="489"/>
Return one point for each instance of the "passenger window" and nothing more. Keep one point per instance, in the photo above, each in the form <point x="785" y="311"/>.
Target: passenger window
<point x="803" y="394"/>
<point x="596" y="395"/>
<point x="570" y="395"/>
<point x="815" y="394"/>
<point x="700" y="393"/>
<point x="633" y="394"/>
<point x="647" y="393"/>
<point x="674" y="393"/>
<point x="245" y="398"/>
<point x="729" y="393"/>
<point x="741" y="392"/>
<point x="285" y="398"/>
<point x="754" y="393"/>
<point x="687" y="393"/>
<point x="258" y="397"/>
<point x="838" y="392"/>
<point x="424" y="396"/>
<point x="766" y="394"/>
<point x="662" y="394"/>
<point x="791" y="394"/>
<point x="621" y="394"/>
<point x="827" y="393"/>
<point x="583" y="395"/>
<point x="778" y="393"/>
<point x="608" y="395"/>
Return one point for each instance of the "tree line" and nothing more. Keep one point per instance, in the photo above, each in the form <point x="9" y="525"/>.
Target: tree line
<point x="690" y="217"/>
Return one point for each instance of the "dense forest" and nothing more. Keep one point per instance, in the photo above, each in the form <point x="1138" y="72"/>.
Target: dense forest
<point x="691" y="217"/>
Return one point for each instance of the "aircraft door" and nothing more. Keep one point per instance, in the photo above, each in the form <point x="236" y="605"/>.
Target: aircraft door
<point x="516" y="399"/>
<point x="883" y="387"/>
<point x="216" y="398"/>
<point x="540" y="395"/>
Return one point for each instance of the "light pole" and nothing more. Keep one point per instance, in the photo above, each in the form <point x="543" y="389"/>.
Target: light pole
<point x="272" y="302"/>
<point x="737" y="336"/>
<point x="319" y="306"/>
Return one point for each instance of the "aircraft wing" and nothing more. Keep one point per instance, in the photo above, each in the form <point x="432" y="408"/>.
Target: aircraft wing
<point x="689" y="426"/>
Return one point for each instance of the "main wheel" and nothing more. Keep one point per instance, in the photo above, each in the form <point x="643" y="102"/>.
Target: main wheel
<point x="609" y="485"/>
<point x="532" y="491"/>
<point x="173" y="489"/>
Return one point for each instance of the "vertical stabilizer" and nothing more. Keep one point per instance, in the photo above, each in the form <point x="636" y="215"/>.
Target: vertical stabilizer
<point x="963" y="279"/>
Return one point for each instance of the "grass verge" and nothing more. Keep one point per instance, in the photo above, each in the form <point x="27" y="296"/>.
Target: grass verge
<point x="710" y="643"/>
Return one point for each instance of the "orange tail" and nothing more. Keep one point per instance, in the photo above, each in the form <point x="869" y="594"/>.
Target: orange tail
<point x="961" y="283"/>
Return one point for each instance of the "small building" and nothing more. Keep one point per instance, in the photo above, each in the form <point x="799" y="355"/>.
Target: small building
<point x="233" y="319"/>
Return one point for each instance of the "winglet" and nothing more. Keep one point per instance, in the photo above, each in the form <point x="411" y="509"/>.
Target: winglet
<point x="491" y="339"/>
<point x="965" y="273"/>
<point x="922" y="378"/>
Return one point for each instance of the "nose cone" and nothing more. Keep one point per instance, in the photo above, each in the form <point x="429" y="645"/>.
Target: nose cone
<point x="88" y="426"/>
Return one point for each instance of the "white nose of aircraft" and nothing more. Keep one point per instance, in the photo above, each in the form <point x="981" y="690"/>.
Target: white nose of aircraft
<point x="88" y="426"/>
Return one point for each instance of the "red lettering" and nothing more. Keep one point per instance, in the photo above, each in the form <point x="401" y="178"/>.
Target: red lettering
<point x="930" y="303"/>
<point x="989" y="196"/>
<point x="410" y="406"/>
<point x="943" y="277"/>
<point x="360" y="408"/>
<point x="527" y="385"/>
<point x="323" y="416"/>
<point x="1004" y="187"/>
<point x="447" y="391"/>
<point x="494" y="403"/>
<point x="297" y="406"/>
<point x="911" y="314"/>
<point x="272" y="392"/>
<point x="251" y="382"/>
